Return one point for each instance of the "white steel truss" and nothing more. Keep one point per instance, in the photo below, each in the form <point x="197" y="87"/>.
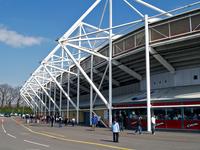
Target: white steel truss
<point x="38" y="97"/>
<point x="81" y="42"/>
<point x="32" y="99"/>
<point x="26" y="100"/>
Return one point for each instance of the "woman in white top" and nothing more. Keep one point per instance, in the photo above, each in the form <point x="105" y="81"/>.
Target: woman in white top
<point x="115" y="130"/>
<point x="153" y="124"/>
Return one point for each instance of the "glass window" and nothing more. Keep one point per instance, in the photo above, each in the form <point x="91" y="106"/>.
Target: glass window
<point x="159" y="113"/>
<point x="173" y="114"/>
<point x="192" y="113"/>
<point x="118" y="47"/>
<point x="142" y="112"/>
<point x="195" y="22"/>
<point x="180" y="26"/>
<point x="159" y="32"/>
<point x="140" y="38"/>
<point x="130" y="42"/>
<point x="195" y="77"/>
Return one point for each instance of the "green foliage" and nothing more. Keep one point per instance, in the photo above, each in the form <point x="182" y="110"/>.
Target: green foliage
<point x="19" y="110"/>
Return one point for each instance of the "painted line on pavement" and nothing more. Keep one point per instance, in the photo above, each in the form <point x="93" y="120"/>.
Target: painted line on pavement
<point x="36" y="143"/>
<point x="2" y="121"/>
<point x="75" y="141"/>
<point x="50" y="133"/>
<point x="11" y="135"/>
<point x="3" y="127"/>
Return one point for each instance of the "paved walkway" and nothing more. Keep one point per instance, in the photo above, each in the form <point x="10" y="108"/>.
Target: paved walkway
<point x="128" y="139"/>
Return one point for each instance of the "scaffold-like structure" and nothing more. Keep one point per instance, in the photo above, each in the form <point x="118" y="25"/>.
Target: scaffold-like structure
<point x="86" y="41"/>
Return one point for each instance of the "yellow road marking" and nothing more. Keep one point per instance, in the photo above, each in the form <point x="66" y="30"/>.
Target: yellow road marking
<point x="76" y="141"/>
<point x="51" y="133"/>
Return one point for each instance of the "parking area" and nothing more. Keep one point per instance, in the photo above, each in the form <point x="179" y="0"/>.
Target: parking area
<point x="128" y="138"/>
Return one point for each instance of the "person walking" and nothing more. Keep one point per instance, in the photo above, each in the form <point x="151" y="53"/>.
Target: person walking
<point x="115" y="131"/>
<point x="66" y="121"/>
<point x="60" y="121"/>
<point x="73" y="121"/>
<point x="52" y="120"/>
<point x="121" y="122"/>
<point x="99" y="121"/>
<point x="94" y="121"/>
<point x="153" y="124"/>
<point x="139" y="125"/>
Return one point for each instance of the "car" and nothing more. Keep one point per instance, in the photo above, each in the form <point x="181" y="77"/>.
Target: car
<point x="7" y="115"/>
<point x="1" y="115"/>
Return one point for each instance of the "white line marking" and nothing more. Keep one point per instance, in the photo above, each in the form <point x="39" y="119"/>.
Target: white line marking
<point x="36" y="143"/>
<point x="5" y="130"/>
<point x="3" y="126"/>
<point x="11" y="135"/>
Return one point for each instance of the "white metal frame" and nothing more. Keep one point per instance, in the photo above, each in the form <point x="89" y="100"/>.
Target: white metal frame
<point x="71" y="50"/>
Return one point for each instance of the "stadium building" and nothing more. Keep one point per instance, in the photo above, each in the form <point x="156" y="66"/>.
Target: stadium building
<point x="152" y="68"/>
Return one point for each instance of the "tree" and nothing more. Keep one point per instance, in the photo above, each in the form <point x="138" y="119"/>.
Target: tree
<point x="9" y="95"/>
<point x="18" y="97"/>
<point x="5" y="90"/>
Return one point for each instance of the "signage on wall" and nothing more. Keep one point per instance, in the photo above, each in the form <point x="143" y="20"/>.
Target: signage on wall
<point x="105" y="114"/>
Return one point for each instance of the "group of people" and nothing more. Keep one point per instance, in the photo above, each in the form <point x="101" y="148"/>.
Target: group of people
<point x="49" y="119"/>
<point x="116" y="127"/>
<point x="139" y="125"/>
<point x="60" y="120"/>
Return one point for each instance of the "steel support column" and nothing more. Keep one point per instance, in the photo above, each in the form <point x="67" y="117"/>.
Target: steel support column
<point x="78" y="81"/>
<point x="68" y="92"/>
<point x="45" y="101"/>
<point x="61" y="76"/>
<point x="42" y="99"/>
<point x="49" y="99"/>
<point x="148" y="86"/>
<point x="110" y="63"/>
<point x="54" y="97"/>
<point x="91" y="89"/>
<point x="61" y="79"/>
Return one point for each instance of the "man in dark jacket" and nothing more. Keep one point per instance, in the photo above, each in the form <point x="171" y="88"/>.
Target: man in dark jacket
<point x="139" y="125"/>
<point x="52" y="120"/>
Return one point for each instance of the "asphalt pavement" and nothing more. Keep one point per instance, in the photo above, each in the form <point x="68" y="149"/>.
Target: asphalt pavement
<point x="15" y="134"/>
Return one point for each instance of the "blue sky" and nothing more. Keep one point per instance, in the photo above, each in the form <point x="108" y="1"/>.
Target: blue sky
<point x="29" y="28"/>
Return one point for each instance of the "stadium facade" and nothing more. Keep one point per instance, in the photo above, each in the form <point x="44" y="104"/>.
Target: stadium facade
<point x="152" y="68"/>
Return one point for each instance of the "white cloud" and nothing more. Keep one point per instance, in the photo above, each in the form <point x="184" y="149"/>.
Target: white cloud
<point x="15" y="39"/>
